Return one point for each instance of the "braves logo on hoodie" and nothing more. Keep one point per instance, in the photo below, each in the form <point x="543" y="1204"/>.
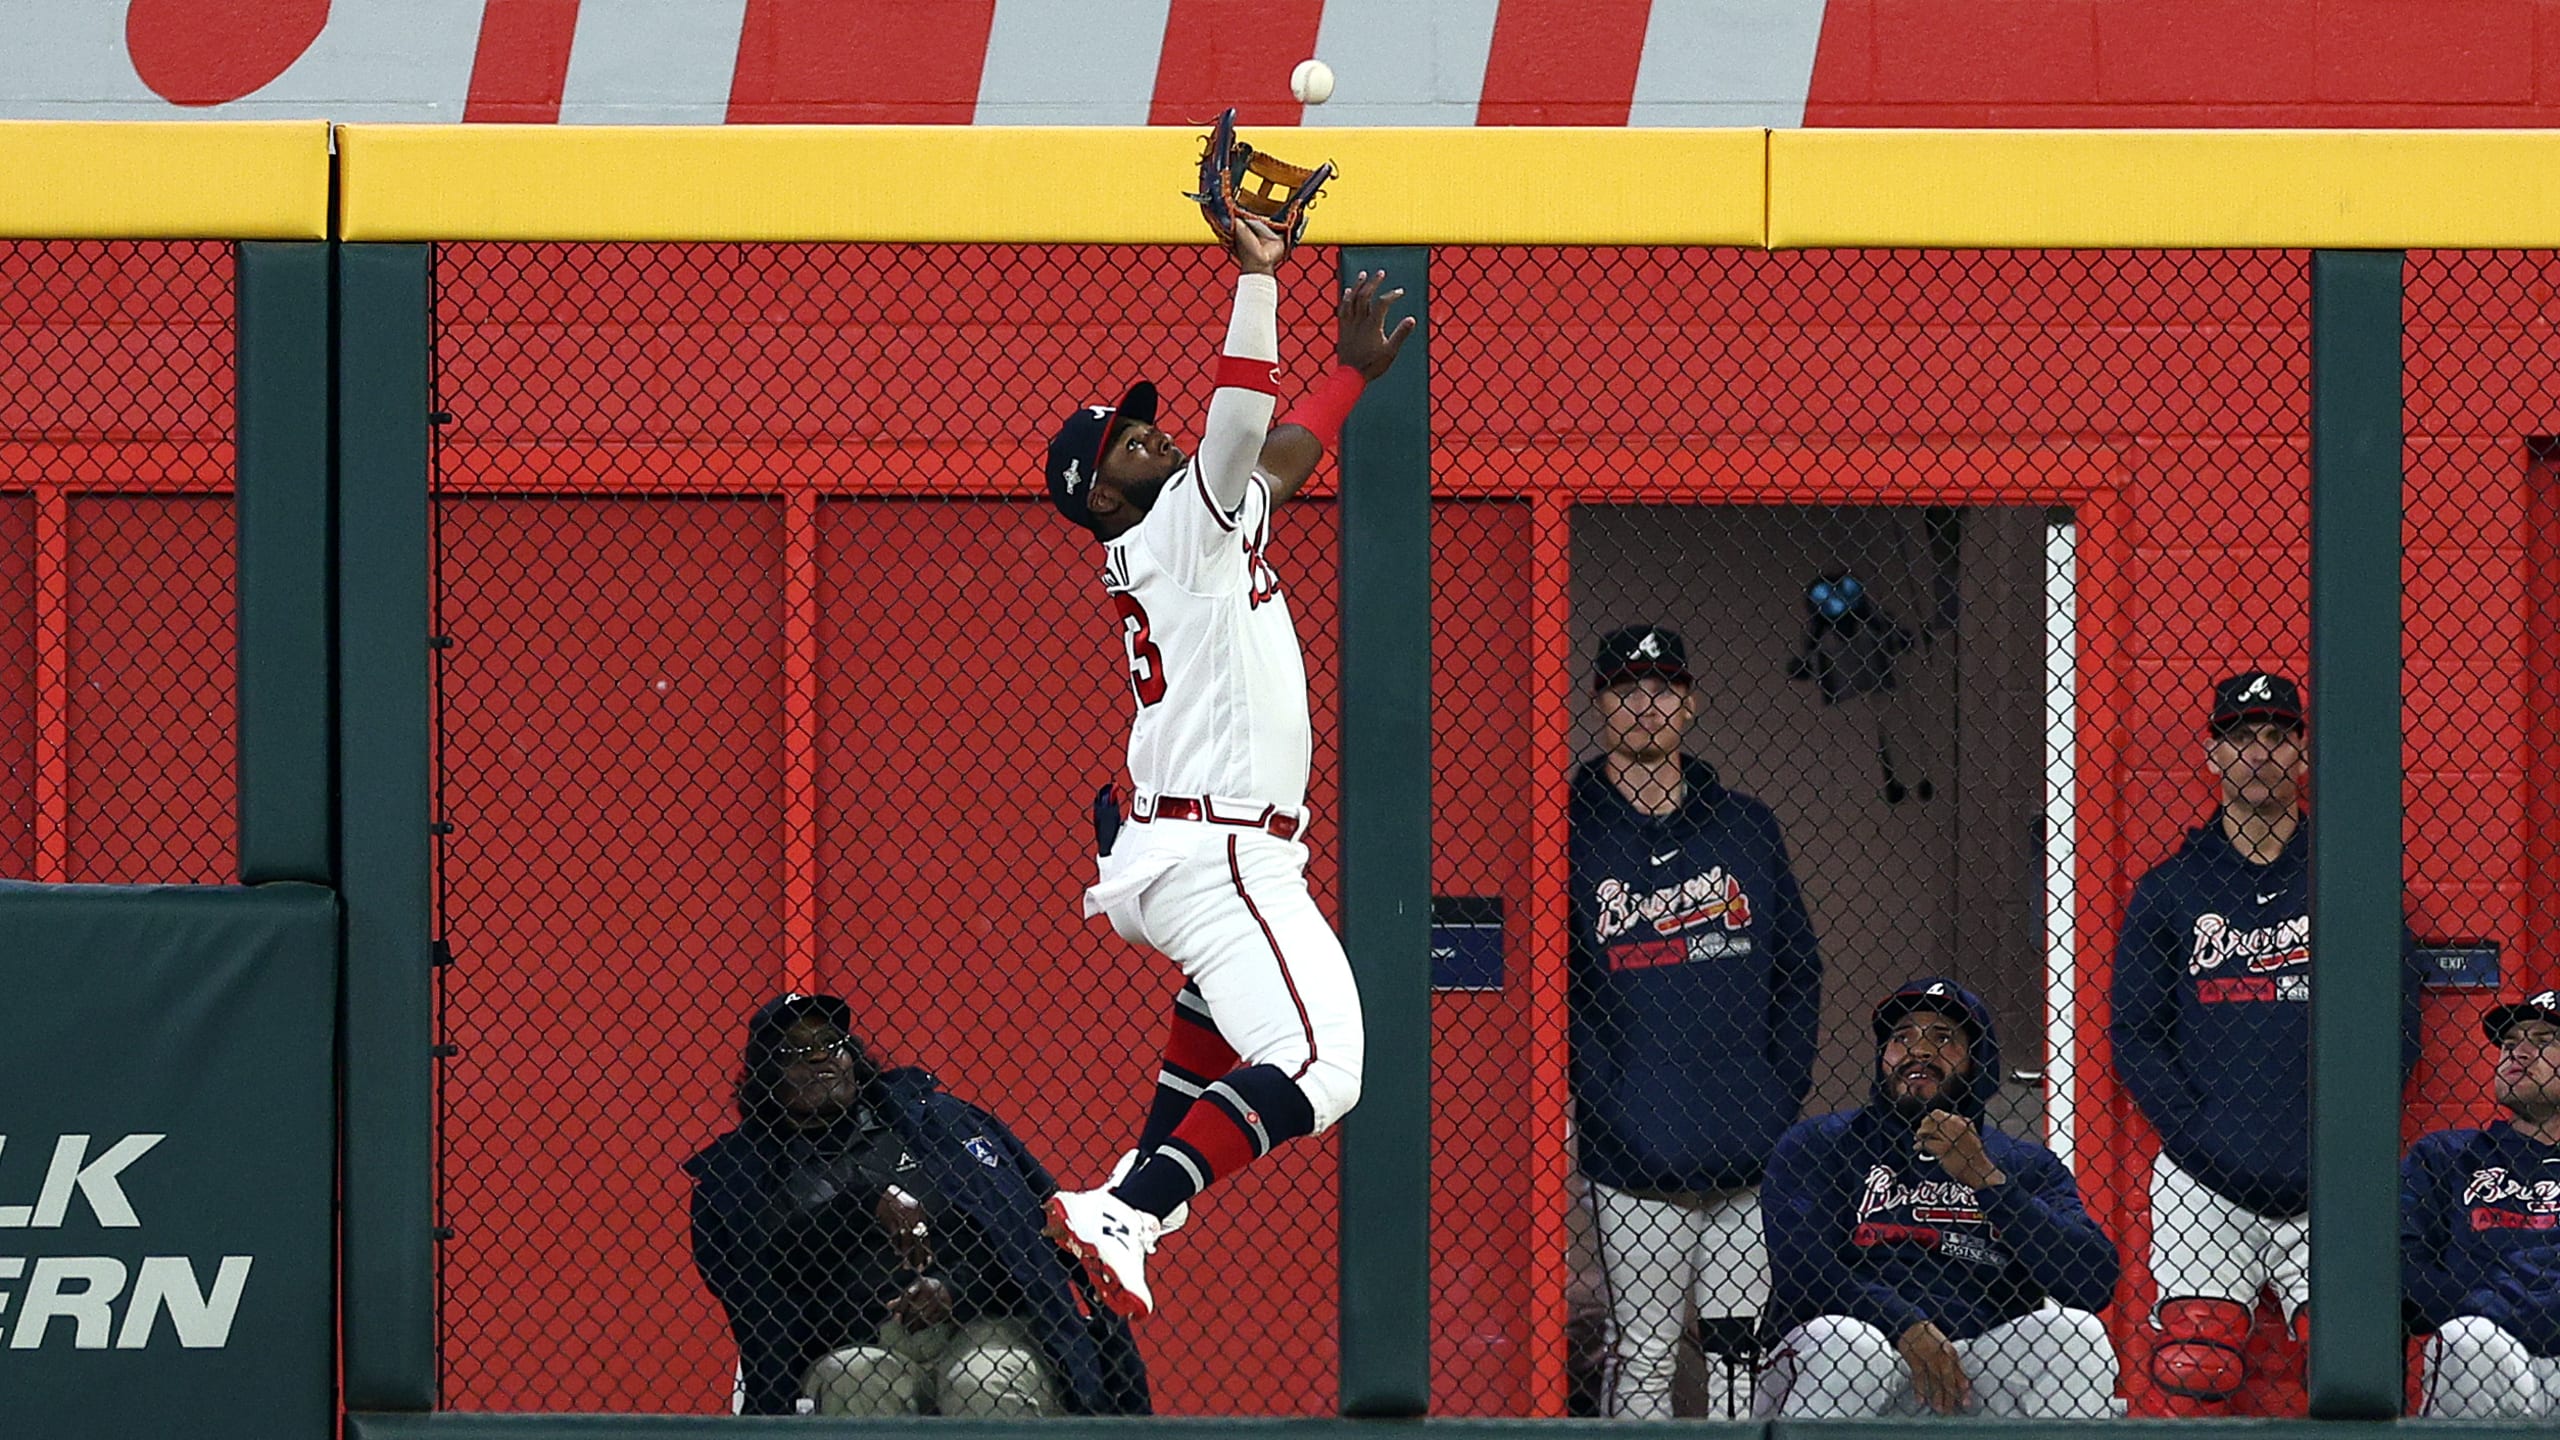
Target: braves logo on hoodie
<point x="2499" y="1200"/>
<point x="1939" y="1215"/>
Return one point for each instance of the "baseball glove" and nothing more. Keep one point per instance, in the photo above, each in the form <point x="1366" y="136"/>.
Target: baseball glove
<point x="1236" y="177"/>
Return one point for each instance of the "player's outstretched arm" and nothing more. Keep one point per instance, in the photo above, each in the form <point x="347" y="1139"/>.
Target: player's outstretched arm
<point x="1240" y="409"/>
<point x="1364" y="351"/>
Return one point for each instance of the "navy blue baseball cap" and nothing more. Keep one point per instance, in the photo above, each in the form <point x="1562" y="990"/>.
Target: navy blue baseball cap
<point x="2254" y="695"/>
<point x="1633" y="652"/>
<point x="2540" y="1005"/>
<point x="1075" y="452"/>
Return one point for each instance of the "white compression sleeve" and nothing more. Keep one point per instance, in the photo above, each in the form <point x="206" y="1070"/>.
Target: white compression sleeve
<point x="1240" y="409"/>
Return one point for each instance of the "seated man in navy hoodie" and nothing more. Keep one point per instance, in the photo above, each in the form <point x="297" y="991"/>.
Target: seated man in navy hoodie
<point x="877" y="1243"/>
<point x="1919" y="1261"/>
<point x="1695" y="994"/>
<point x="2212" y="1031"/>
<point x="2480" y="1235"/>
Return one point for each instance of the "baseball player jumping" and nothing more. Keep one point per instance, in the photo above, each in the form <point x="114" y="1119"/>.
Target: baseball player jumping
<point x="1920" y="1260"/>
<point x="1265" y="1044"/>
<point x="2480" y="1234"/>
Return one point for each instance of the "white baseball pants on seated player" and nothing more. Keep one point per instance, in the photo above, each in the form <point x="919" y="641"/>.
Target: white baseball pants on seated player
<point x="981" y="1368"/>
<point x="2477" y="1370"/>
<point x="1657" y="1257"/>
<point x="2205" y="1246"/>
<point x="1230" y="906"/>
<point x="2053" y="1364"/>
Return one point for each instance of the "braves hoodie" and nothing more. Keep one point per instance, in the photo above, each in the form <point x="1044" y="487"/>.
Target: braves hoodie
<point x="2480" y="1233"/>
<point x="1860" y="1223"/>
<point x="2212" y="1025"/>
<point x="1695" y="989"/>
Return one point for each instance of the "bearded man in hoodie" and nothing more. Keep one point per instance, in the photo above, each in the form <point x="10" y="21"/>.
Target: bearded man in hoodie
<point x="2212" y="1033"/>
<point x="1922" y="1262"/>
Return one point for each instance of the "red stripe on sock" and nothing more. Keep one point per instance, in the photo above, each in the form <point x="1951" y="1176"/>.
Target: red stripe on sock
<point x="1218" y="53"/>
<point x="522" y="65"/>
<point x="1563" y="62"/>
<point x="1197" y="1049"/>
<point x="860" y="62"/>
<point x="1209" y="1130"/>
<point x="1235" y="871"/>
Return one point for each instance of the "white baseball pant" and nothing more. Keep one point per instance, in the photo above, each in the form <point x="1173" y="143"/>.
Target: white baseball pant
<point x="2053" y="1364"/>
<point x="1230" y="906"/>
<point x="1657" y="1258"/>
<point x="2478" y="1370"/>
<point x="982" y="1368"/>
<point x="2203" y="1245"/>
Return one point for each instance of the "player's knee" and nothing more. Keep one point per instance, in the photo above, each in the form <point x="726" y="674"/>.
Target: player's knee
<point x="2477" y="1345"/>
<point x="2199" y="1347"/>
<point x="1837" y="1339"/>
<point x="2479" y="1370"/>
<point x="995" y="1380"/>
<point x="1332" y="1088"/>
<point x="861" y="1380"/>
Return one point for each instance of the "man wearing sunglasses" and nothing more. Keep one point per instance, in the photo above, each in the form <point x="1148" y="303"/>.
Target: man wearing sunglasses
<point x="2480" y="1234"/>
<point x="877" y="1243"/>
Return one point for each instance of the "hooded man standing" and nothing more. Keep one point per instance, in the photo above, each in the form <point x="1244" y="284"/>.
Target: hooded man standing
<point x="1919" y="1262"/>
<point x="877" y="1243"/>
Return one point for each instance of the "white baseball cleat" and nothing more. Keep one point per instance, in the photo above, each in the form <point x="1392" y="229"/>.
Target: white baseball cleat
<point x="1112" y="1239"/>
<point x="1181" y="1215"/>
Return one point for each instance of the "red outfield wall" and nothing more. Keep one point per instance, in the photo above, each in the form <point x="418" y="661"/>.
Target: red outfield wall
<point x="635" y="864"/>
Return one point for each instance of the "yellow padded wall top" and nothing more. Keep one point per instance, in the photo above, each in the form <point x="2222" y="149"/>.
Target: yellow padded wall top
<point x="2164" y="189"/>
<point x="164" y="180"/>
<point x="996" y="183"/>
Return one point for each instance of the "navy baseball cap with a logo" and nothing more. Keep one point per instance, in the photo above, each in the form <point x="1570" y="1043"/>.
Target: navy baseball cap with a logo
<point x="2540" y="1005"/>
<point x="1075" y="453"/>
<point x="2254" y="695"/>
<point x="1635" y="651"/>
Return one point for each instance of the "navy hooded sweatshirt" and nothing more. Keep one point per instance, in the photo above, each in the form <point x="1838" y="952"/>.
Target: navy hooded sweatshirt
<point x="2480" y="1233"/>
<point x="1860" y="1224"/>
<point x="1695" y="990"/>
<point x="978" y="1180"/>
<point x="2212" y="1024"/>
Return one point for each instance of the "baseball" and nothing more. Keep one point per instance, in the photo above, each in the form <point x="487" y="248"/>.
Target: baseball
<point x="1311" y="82"/>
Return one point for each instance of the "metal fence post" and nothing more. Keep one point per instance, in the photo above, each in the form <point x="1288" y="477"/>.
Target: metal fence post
<point x="386" y="1084"/>
<point x="1386" y="865"/>
<point x="287" y="710"/>
<point x="2356" y="1352"/>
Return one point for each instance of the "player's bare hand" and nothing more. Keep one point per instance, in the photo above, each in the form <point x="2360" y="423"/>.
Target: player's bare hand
<point x="1937" y="1374"/>
<point x="1957" y="1147"/>
<point x="902" y="1217"/>
<point x="1366" y="346"/>
<point x="1258" y="248"/>
<point x="925" y="1303"/>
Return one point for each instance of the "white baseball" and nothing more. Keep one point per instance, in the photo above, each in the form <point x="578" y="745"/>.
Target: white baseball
<point x="1311" y="82"/>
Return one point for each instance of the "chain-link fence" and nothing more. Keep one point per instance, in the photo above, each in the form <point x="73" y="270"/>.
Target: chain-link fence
<point x="1841" y="660"/>
<point x="2481" y="1186"/>
<point x="116" y="609"/>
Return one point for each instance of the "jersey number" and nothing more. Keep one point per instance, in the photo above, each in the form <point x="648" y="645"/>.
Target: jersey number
<point x="1146" y="662"/>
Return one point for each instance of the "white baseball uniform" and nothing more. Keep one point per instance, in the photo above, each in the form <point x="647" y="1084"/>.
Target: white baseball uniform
<point x="1222" y="733"/>
<point x="1658" y="1259"/>
<point x="2052" y="1363"/>
<point x="2203" y="1244"/>
<point x="2476" y="1370"/>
